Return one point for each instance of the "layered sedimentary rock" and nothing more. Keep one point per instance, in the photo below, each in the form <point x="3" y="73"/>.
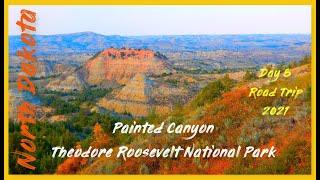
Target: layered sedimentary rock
<point x="111" y="66"/>
<point x="128" y="71"/>
<point x="134" y="98"/>
<point x="138" y="89"/>
<point x="68" y="82"/>
<point x="62" y="69"/>
<point x="121" y="65"/>
<point x="43" y="69"/>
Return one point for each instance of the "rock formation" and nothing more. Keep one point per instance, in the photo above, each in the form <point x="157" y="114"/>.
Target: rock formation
<point x="133" y="98"/>
<point x="111" y="66"/>
<point x="121" y="65"/>
<point x="129" y="69"/>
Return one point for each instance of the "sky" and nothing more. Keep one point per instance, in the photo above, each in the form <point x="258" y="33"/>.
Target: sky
<point x="167" y="20"/>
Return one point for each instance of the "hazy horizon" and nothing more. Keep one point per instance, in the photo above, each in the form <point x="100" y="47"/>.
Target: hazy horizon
<point x="83" y="32"/>
<point x="147" y="20"/>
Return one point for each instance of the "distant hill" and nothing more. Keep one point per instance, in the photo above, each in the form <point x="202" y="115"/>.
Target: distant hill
<point x="88" y="42"/>
<point x="189" y="53"/>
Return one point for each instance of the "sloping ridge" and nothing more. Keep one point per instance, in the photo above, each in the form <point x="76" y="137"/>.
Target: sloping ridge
<point x="133" y="98"/>
<point x="138" y="89"/>
<point x="236" y="107"/>
<point x="74" y="80"/>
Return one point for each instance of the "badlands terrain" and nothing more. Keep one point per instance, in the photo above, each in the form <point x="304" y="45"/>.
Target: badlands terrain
<point x="86" y="82"/>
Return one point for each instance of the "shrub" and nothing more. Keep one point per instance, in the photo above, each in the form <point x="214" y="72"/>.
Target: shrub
<point x="249" y="76"/>
<point x="209" y="93"/>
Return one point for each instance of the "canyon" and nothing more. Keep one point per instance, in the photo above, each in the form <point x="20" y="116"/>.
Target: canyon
<point x="129" y="71"/>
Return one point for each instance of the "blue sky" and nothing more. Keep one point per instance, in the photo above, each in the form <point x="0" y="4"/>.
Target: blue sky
<point x="167" y="20"/>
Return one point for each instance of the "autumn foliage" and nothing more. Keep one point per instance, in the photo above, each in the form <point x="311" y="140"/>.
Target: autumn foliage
<point x="100" y="138"/>
<point x="240" y="122"/>
<point x="71" y="165"/>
